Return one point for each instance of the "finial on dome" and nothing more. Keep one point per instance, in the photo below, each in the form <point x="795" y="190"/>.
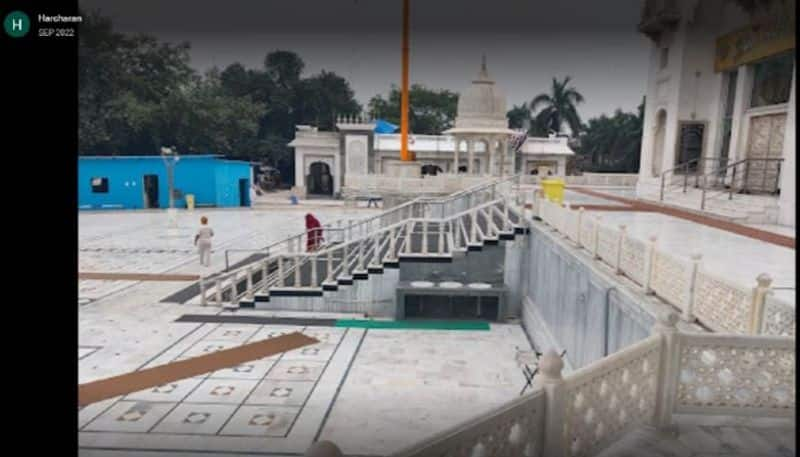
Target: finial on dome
<point x="484" y="74"/>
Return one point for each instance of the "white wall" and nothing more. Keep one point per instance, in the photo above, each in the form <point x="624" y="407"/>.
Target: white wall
<point x="786" y="203"/>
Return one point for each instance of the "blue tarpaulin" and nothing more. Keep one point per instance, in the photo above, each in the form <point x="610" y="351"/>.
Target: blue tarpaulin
<point x="382" y="126"/>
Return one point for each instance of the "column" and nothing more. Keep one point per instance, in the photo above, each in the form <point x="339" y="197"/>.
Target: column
<point x="455" y="156"/>
<point x="740" y="102"/>
<point x="786" y="202"/>
<point x="491" y="166"/>
<point x="470" y="155"/>
<point x="502" y="156"/>
<point x="513" y="160"/>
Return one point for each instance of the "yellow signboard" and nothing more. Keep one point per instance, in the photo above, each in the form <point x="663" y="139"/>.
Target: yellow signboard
<point x="757" y="41"/>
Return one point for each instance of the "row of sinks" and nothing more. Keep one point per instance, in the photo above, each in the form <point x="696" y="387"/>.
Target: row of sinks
<point x="450" y="284"/>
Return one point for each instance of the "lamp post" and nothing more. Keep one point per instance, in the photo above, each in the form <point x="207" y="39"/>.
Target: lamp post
<point x="170" y="157"/>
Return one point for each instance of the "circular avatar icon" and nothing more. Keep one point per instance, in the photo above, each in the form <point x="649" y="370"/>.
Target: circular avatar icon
<point x="17" y="24"/>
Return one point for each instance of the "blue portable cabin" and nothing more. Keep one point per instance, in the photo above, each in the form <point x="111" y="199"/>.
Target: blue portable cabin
<point x="136" y="182"/>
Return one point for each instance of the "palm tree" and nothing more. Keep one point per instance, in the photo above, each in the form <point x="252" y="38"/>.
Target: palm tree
<point x="559" y="107"/>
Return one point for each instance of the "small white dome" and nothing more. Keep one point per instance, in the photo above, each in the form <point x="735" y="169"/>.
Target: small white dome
<point x="482" y="104"/>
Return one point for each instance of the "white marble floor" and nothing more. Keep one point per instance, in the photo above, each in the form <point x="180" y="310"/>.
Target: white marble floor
<point x="141" y="242"/>
<point x="576" y="199"/>
<point x="737" y="257"/>
<point x="405" y="386"/>
<point x="708" y="436"/>
<point x="371" y="391"/>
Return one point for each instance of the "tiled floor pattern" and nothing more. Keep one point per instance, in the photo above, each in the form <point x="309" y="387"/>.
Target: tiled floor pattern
<point x="284" y="380"/>
<point x="262" y="398"/>
<point x="372" y="391"/>
<point x="143" y="242"/>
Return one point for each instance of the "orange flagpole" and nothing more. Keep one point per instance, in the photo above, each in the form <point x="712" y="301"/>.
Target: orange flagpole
<point x="405" y="155"/>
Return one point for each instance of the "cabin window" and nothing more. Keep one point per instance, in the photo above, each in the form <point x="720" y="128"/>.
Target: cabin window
<point x="100" y="185"/>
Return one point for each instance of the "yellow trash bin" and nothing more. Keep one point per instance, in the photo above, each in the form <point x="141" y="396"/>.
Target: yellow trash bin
<point x="190" y="201"/>
<point x="553" y="190"/>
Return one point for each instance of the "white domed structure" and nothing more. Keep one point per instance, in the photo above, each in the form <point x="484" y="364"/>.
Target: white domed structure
<point x="481" y="120"/>
<point x="482" y="104"/>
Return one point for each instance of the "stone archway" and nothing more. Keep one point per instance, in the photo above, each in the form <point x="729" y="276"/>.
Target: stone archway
<point x="319" y="180"/>
<point x="657" y="155"/>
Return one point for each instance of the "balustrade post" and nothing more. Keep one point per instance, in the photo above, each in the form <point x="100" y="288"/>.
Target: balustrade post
<point x="688" y="314"/>
<point x="578" y="229"/>
<point x="440" y="248"/>
<point x="329" y="272"/>
<point x="668" y="371"/>
<point x="409" y="229"/>
<point x="424" y="236"/>
<point x="249" y="291"/>
<point x="474" y="227"/>
<point x="218" y="291"/>
<point x="551" y="381"/>
<point x="233" y="286"/>
<point x="649" y="256"/>
<point x="620" y="242"/>
<point x="760" y="293"/>
<point x="203" y="300"/>
<point x="314" y="271"/>
<point x="264" y="272"/>
<point x="595" y="236"/>
<point x="376" y="260"/>
<point x="361" y="249"/>
<point x="297" y="271"/>
<point x="280" y="272"/>
<point x="564" y="212"/>
<point x="390" y="254"/>
<point x="506" y="220"/>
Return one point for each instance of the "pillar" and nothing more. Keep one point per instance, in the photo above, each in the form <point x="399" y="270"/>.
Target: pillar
<point x="503" y="154"/>
<point x="455" y="156"/>
<point x="491" y="166"/>
<point x="470" y="155"/>
<point x="786" y="202"/>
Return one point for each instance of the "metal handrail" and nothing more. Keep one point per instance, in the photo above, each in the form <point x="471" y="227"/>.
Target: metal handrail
<point x="685" y="167"/>
<point x="745" y="178"/>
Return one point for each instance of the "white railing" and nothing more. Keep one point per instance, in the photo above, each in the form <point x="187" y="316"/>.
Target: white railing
<point x="717" y="303"/>
<point x="424" y="236"/>
<point x="228" y="287"/>
<point x="735" y="375"/>
<point x="589" y="179"/>
<point x="515" y="429"/>
<point x="643" y="384"/>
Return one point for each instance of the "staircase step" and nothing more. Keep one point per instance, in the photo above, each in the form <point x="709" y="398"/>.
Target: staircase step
<point x="295" y="292"/>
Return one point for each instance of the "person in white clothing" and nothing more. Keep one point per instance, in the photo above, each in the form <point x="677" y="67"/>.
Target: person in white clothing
<point x="203" y="241"/>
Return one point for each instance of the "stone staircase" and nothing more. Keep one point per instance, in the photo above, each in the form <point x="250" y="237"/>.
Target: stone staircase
<point x="424" y="230"/>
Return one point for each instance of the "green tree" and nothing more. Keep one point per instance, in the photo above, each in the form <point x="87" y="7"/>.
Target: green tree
<point x="519" y="117"/>
<point x="613" y="143"/>
<point x="121" y="81"/>
<point x="430" y="113"/>
<point x="559" y="107"/>
<point x="324" y="96"/>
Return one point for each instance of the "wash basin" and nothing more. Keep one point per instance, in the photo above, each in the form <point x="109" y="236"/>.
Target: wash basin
<point x="450" y="284"/>
<point x="479" y="285"/>
<point x="421" y="284"/>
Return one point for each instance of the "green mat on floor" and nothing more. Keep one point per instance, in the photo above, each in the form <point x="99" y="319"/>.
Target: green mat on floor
<point x="414" y="324"/>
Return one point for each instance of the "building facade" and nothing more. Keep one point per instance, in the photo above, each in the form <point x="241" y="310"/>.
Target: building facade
<point x="721" y="95"/>
<point x="325" y="160"/>
<point x="141" y="182"/>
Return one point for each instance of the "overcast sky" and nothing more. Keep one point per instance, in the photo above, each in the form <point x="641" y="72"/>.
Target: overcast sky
<point x="526" y="42"/>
